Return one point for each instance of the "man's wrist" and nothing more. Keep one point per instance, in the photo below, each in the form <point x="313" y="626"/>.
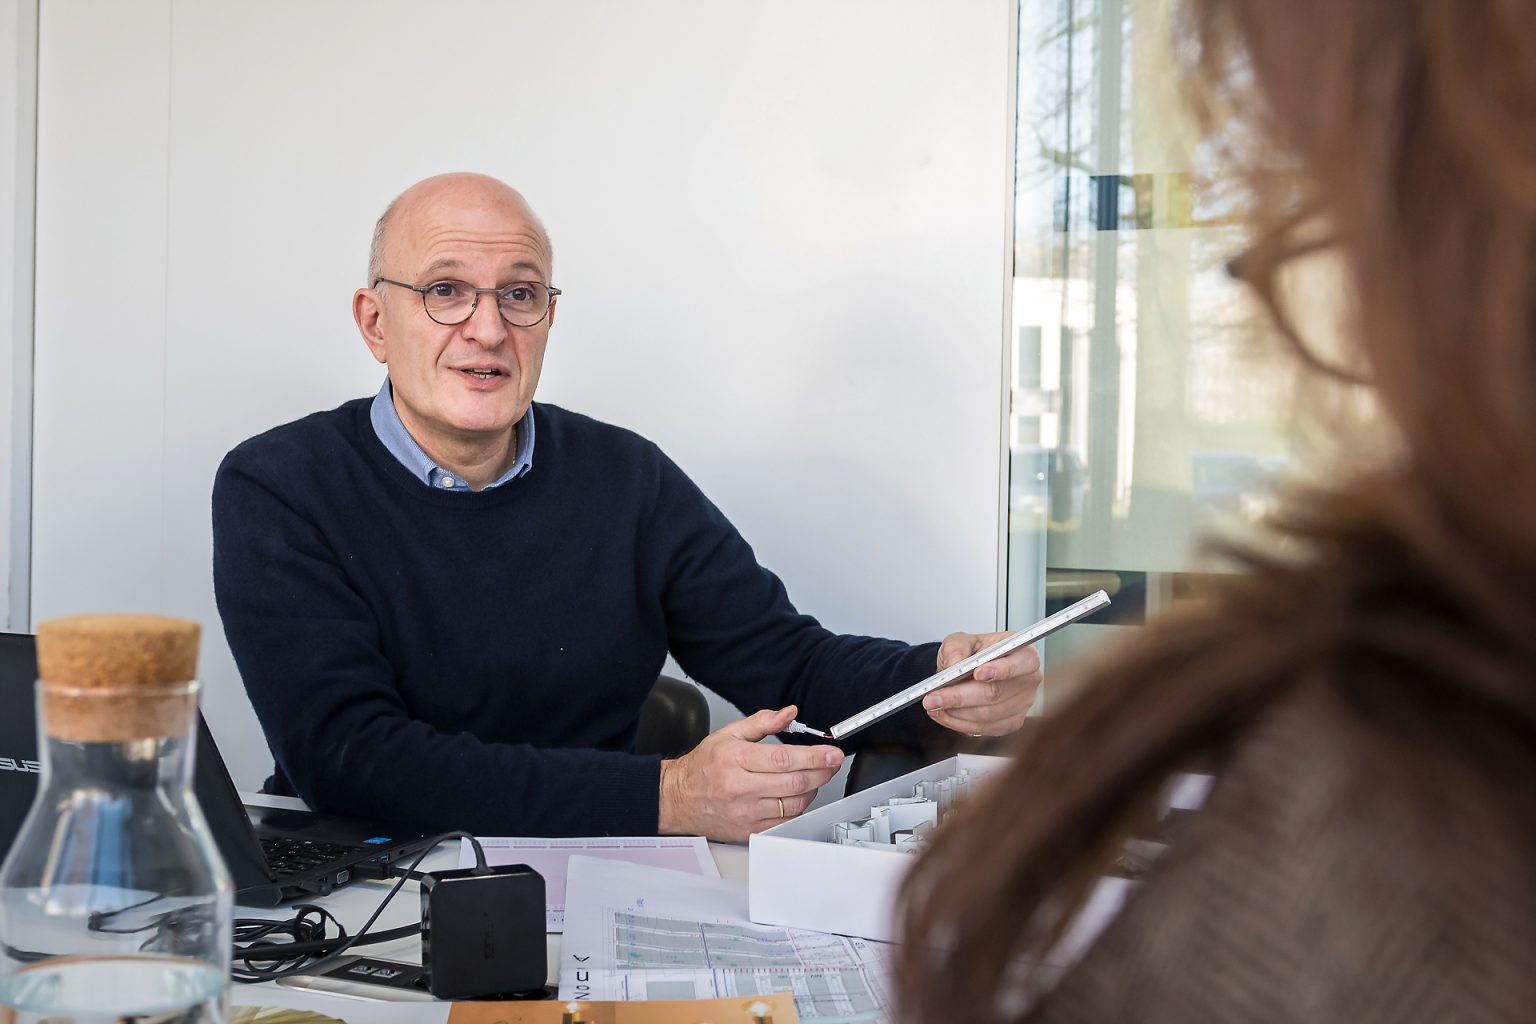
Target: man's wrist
<point x="664" y="824"/>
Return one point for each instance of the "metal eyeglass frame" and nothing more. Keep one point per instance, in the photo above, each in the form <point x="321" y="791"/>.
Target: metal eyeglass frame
<point x="421" y="289"/>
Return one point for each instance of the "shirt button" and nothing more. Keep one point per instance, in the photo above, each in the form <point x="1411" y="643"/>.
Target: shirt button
<point x="446" y="482"/>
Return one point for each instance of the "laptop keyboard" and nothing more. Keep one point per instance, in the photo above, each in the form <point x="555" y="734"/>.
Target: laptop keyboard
<point x="289" y="855"/>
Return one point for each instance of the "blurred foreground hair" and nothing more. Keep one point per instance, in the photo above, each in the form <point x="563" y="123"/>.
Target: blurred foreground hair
<point x="1400" y="136"/>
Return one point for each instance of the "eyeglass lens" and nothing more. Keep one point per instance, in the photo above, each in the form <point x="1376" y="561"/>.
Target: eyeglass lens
<point x="452" y="302"/>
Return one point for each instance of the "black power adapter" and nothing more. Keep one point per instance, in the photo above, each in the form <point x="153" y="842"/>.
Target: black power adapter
<point x="482" y="934"/>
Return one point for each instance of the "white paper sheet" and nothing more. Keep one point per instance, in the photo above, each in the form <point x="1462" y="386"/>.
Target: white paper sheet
<point x="548" y="857"/>
<point x="639" y="932"/>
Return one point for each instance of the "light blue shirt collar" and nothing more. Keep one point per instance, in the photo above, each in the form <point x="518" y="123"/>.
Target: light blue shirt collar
<point x="393" y="435"/>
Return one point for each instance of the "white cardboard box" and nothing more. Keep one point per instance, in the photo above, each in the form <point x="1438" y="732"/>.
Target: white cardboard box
<point x="798" y="877"/>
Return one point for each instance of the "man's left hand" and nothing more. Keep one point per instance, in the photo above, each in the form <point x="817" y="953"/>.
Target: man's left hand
<point x="995" y="698"/>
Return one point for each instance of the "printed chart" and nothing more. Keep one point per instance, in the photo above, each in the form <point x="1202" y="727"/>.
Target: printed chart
<point x="637" y="933"/>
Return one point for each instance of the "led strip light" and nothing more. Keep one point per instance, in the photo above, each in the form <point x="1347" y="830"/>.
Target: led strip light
<point x="1044" y="628"/>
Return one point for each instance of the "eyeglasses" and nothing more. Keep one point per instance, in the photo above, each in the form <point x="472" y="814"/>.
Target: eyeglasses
<point x="522" y="304"/>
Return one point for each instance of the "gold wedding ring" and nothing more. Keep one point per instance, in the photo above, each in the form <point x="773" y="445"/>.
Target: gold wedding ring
<point x="781" y="806"/>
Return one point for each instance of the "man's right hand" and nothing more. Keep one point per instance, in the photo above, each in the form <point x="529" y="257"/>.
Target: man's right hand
<point x="730" y="785"/>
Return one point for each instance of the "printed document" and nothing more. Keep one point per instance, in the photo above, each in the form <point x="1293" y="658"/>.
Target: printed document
<point x="548" y="857"/>
<point x="639" y="932"/>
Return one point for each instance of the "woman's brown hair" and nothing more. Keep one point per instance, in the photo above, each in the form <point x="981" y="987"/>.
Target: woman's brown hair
<point x="1400" y="135"/>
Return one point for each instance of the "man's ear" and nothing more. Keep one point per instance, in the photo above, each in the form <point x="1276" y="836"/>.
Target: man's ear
<point x="552" y="304"/>
<point x="369" y="312"/>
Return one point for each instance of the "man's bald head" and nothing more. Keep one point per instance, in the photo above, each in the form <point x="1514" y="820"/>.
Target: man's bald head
<point x="440" y="192"/>
<point x="460" y="388"/>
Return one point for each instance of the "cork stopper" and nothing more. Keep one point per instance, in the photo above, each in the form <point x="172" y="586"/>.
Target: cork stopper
<point x="111" y="678"/>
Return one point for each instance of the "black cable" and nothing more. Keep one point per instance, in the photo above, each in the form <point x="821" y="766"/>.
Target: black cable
<point x="306" y="933"/>
<point x="307" y="948"/>
<point x="480" y="868"/>
<point x="305" y="942"/>
<point x="97" y="919"/>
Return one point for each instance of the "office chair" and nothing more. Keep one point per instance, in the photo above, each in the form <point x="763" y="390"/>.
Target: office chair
<point x="674" y="718"/>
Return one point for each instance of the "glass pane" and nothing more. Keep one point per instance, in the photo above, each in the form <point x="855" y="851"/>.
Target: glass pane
<point x="1148" y="405"/>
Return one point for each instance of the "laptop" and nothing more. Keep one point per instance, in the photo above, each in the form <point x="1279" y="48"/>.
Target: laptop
<point x="273" y="855"/>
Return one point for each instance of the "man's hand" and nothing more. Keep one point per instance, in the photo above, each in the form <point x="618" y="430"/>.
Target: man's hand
<point x="994" y="700"/>
<point x="730" y="785"/>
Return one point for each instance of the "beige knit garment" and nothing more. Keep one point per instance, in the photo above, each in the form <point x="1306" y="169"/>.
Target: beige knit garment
<point x="1351" y="865"/>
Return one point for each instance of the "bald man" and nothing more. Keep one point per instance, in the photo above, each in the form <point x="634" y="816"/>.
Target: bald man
<point x="448" y="602"/>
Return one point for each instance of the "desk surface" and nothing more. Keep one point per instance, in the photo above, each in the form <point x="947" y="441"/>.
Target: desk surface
<point x="353" y="903"/>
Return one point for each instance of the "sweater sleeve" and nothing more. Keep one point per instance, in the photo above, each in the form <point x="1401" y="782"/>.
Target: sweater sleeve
<point x="308" y="649"/>
<point x="732" y="627"/>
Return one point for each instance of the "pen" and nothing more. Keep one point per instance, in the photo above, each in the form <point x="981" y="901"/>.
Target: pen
<point x="797" y="727"/>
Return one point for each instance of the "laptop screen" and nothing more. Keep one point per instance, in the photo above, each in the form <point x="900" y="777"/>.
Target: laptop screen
<point x="18" y="732"/>
<point x="19" y="768"/>
<point x="255" y="880"/>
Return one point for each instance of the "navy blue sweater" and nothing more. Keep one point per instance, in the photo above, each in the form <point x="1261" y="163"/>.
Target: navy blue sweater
<point x="479" y="661"/>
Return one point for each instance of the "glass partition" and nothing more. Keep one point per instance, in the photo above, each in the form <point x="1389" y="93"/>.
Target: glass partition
<point x="1148" y="405"/>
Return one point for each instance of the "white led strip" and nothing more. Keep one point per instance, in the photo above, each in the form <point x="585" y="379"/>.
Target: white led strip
<point x="1044" y="628"/>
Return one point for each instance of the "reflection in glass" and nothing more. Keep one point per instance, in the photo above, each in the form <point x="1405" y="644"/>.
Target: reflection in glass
<point x="1148" y="402"/>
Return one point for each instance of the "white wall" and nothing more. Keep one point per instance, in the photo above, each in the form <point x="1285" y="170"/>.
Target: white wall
<point x="10" y="75"/>
<point x="18" y="81"/>
<point x="780" y="228"/>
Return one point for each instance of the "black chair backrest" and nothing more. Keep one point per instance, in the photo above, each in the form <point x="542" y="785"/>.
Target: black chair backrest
<point x="674" y="718"/>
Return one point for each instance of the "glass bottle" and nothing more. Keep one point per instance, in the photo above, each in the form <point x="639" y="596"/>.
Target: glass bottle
<point x="114" y="903"/>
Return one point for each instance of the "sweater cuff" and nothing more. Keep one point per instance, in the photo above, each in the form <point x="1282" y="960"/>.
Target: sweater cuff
<point x="625" y="796"/>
